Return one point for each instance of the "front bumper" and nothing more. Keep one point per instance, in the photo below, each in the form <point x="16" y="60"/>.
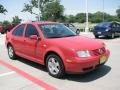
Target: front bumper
<point x="105" y="33"/>
<point x="83" y="65"/>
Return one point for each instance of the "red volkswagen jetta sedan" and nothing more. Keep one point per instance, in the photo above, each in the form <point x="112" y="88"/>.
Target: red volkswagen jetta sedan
<point x="57" y="47"/>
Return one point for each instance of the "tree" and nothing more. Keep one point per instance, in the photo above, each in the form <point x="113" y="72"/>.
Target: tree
<point x="2" y="9"/>
<point x="54" y="11"/>
<point x="0" y="23"/>
<point x="71" y="19"/>
<point x="5" y="23"/>
<point x="118" y="13"/>
<point x="97" y="17"/>
<point x="16" y="20"/>
<point x="80" y="17"/>
<point x="33" y="4"/>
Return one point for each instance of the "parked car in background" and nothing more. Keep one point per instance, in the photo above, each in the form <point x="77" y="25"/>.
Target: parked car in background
<point x="4" y="29"/>
<point x="73" y="28"/>
<point x="57" y="47"/>
<point x="1" y="28"/>
<point x="107" y="29"/>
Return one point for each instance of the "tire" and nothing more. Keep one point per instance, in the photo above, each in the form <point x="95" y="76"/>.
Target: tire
<point x="77" y="32"/>
<point x="96" y="36"/>
<point x="55" y="66"/>
<point x="112" y="36"/>
<point x="11" y="52"/>
<point x="2" y="32"/>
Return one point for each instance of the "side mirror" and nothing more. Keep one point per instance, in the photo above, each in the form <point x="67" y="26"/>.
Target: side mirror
<point x="34" y="37"/>
<point x="78" y="31"/>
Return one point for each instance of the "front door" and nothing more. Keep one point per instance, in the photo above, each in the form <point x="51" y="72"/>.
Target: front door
<point x="30" y="45"/>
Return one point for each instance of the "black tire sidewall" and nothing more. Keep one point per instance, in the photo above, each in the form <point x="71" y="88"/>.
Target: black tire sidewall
<point x="61" y="71"/>
<point x="77" y="32"/>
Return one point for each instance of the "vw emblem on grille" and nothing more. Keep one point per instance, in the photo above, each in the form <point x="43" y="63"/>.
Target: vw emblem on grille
<point x="100" y="51"/>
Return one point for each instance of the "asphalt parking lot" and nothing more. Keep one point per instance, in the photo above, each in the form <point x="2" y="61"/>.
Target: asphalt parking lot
<point x="22" y="74"/>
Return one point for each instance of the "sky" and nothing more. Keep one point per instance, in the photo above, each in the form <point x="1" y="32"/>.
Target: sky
<point x="73" y="7"/>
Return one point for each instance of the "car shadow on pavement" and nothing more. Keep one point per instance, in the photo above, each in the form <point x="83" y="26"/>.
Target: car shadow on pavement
<point x="88" y="77"/>
<point x="91" y="76"/>
<point x="107" y="38"/>
<point x="32" y="64"/>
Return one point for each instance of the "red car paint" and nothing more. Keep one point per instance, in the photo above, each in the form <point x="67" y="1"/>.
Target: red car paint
<point x="65" y="47"/>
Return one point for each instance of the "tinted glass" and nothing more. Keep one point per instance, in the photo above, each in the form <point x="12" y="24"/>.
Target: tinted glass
<point x="56" y="31"/>
<point x="117" y="25"/>
<point x="114" y="25"/>
<point x="19" y="30"/>
<point x="31" y="30"/>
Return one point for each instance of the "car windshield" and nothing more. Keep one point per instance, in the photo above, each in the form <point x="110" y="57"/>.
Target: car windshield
<point x="56" y="31"/>
<point x="104" y="24"/>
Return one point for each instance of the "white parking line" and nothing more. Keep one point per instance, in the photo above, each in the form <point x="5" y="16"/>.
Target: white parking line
<point x="6" y="74"/>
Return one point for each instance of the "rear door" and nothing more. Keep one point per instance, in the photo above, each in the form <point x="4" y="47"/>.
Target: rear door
<point x="114" y="29"/>
<point x="17" y="39"/>
<point x="118" y="29"/>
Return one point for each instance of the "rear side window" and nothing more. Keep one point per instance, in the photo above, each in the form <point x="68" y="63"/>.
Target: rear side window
<point x="19" y="30"/>
<point x="118" y="25"/>
<point x="31" y="30"/>
<point x="113" y="25"/>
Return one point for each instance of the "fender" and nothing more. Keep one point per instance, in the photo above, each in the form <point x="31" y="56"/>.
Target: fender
<point x="55" y="50"/>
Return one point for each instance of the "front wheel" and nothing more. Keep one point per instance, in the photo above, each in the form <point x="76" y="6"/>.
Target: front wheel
<point x="96" y="36"/>
<point x="11" y="52"/>
<point x="55" y="66"/>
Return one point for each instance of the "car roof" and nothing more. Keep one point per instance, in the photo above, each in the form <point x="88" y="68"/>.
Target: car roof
<point x="111" y="22"/>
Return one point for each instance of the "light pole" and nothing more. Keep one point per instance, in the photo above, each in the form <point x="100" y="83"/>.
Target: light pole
<point x="39" y="10"/>
<point x="86" y="27"/>
<point x="103" y="12"/>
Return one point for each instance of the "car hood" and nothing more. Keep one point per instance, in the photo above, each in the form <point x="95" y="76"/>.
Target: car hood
<point x="78" y="43"/>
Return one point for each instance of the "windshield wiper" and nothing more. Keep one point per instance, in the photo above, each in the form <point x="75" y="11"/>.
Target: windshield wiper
<point x="61" y="36"/>
<point x="55" y="37"/>
<point x="69" y="35"/>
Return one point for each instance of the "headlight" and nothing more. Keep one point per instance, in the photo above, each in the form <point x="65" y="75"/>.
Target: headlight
<point x="84" y="53"/>
<point x="107" y="30"/>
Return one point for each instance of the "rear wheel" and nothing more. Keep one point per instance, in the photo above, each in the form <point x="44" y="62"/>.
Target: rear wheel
<point x="2" y="32"/>
<point x="77" y="31"/>
<point x="55" y="66"/>
<point x="11" y="52"/>
<point x="112" y="36"/>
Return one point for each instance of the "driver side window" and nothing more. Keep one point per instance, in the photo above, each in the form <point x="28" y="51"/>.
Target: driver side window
<point x="31" y="30"/>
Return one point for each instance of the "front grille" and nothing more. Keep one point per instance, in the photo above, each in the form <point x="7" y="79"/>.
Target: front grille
<point x="98" y="51"/>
